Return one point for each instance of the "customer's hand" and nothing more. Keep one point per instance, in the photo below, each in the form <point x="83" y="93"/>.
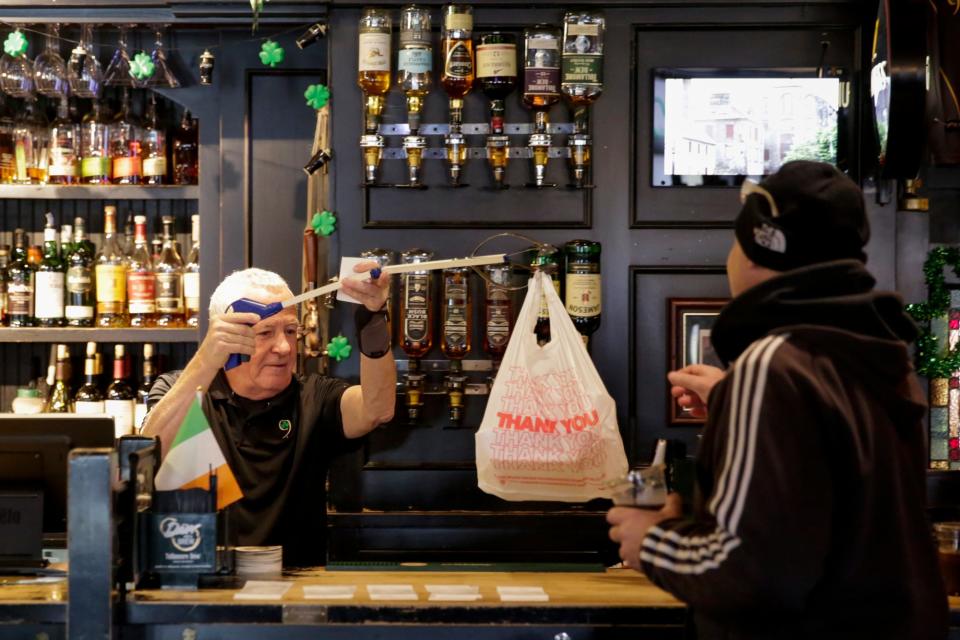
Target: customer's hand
<point x="629" y="526"/>
<point x="692" y="386"/>
<point x="228" y="333"/>
<point x="371" y="293"/>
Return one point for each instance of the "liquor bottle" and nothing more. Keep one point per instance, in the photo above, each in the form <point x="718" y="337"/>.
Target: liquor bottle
<point x="154" y="147"/>
<point x="458" y="63"/>
<point x="80" y="302"/>
<point x="66" y="243"/>
<point x="583" y="286"/>
<point x="497" y="73"/>
<point x="4" y="262"/>
<point x="89" y="400"/>
<point x="95" y="147"/>
<point x="64" y="165"/>
<point x="128" y="236"/>
<point x="546" y="261"/>
<point x="59" y="400"/>
<point x="120" y="398"/>
<point x="24" y="137"/>
<point x="185" y="157"/>
<point x="143" y="391"/>
<point x="541" y="72"/>
<point x="141" y="283"/>
<point x="415" y="61"/>
<point x="20" y="285"/>
<point x="499" y="310"/>
<point x="169" y="272"/>
<point x="111" y="275"/>
<point x="457" y="313"/>
<point x="8" y="164"/>
<point x="582" y="60"/>
<point x="416" y="306"/>
<point x="191" y="276"/>
<point x="373" y="65"/>
<point x="50" y="281"/>
<point x="125" y="146"/>
<point x="156" y="246"/>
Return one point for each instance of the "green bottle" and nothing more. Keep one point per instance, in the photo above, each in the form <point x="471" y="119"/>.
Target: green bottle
<point x="20" y="284"/>
<point x="49" y="280"/>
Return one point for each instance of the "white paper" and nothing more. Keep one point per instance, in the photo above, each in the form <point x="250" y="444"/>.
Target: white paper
<point x="329" y="591"/>
<point x="523" y="594"/>
<point x="392" y="592"/>
<point x="454" y="597"/>
<point x="461" y="589"/>
<point x="346" y="271"/>
<point x="262" y="590"/>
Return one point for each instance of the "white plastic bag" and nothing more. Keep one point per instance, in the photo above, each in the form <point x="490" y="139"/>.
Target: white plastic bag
<point x="549" y="431"/>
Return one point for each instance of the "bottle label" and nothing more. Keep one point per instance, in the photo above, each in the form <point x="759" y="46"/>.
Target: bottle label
<point x="497" y="60"/>
<point x="155" y="167"/>
<point x="414" y="36"/>
<point x="583" y="68"/>
<point x="79" y="280"/>
<point x="127" y="167"/>
<point x="94" y="167"/>
<point x="141" y="293"/>
<point x="582" y="30"/>
<point x="122" y="412"/>
<point x="139" y="415"/>
<point x="20" y="298"/>
<point x="416" y="314"/>
<point x="544" y="308"/>
<point x="169" y="294"/>
<point x="583" y="294"/>
<point x="458" y="21"/>
<point x="63" y="162"/>
<point x="191" y="291"/>
<point x="541" y="74"/>
<point x="111" y="288"/>
<point x="374" y="52"/>
<point x="88" y="408"/>
<point x="415" y="60"/>
<point x="498" y="324"/>
<point x="455" y="315"/>
<point x="459" y="62"/>
<point x="49" y="302"/>
<point x="78" y="312"/>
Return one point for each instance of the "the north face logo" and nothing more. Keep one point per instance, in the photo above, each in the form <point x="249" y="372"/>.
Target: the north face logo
<point x="769" y="237"/>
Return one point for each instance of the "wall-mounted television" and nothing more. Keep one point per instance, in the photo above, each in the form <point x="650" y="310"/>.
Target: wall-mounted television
<point x="717" y="127"/>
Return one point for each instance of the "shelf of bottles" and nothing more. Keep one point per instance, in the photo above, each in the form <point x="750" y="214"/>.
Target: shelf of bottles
<point x="547" y="63"/>
<point x="77" y="334"/>
<point x="54" y="192"/>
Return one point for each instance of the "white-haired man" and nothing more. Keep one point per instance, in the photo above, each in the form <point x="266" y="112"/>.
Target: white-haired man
<point x="278" y="431"/>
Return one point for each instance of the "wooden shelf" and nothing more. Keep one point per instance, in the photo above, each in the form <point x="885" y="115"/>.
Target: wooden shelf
<point x="96" y="192"/>
<point x="71" y="334"/>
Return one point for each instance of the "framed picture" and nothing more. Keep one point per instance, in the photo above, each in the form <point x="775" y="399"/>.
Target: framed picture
<point x="690" y="322"/>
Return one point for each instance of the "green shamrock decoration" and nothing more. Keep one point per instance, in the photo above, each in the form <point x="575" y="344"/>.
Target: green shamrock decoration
<point x="339" y="348"/>
<point x="317" y="96"/>
<point x="16" y="44"/>
<point x="323" y="223"/>
<point x="142" y="67"/>
<point x="271" y="53"/>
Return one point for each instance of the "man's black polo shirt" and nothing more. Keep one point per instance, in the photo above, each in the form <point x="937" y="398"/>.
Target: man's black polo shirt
<point x="279" y="450"/>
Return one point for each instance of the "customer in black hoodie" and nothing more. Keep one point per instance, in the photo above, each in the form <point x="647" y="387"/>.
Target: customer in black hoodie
<point x="809" y="520"/>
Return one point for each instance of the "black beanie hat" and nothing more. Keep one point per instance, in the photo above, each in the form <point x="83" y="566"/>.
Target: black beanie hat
<point x="821" y="217"/>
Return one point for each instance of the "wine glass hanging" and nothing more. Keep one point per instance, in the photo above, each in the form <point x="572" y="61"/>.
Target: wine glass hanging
<point x="83" y="70"/>
<point x="49" y="69"/>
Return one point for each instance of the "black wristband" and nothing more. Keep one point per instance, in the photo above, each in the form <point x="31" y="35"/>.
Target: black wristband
<point x="373" y="331"/>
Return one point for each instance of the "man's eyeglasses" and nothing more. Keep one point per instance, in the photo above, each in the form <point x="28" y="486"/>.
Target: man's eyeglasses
<point x="749" y="187"/>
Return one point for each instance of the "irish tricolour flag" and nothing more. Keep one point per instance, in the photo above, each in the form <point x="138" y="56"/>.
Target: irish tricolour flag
<point x="193" y="454"/>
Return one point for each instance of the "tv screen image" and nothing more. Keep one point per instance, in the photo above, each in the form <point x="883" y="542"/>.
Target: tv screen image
<point x="716" y="131"/>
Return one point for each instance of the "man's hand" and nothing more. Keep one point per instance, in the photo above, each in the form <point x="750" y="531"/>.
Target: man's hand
<point x="371" y="293"/>
<point x="228" y="333"/>
<point x="629" y="526"/>
<point x="692" y="386"/>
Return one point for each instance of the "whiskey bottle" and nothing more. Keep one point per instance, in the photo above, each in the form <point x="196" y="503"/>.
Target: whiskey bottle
<point x="185" y="151"/>
<point x="25" y="142"/>
<point x="111" y="275"/>
<point x="541" y="72"/>
<point x="457" y="313"/>
<point x="497" y="73"/>
<point x="415" y="61"/>
<point x="416" y="306"/>
<point x="458" y="62"/>
<point x="146" y="381"/>
<point x="582" y="60"/>
<point x="20" y="285"/>
<point x="154" y="147"/>
<point x="89" y="400"/>
<point x="498" y="313"/>
<point x="119" y="401"/>
<point x="59" y="400"/>
<point x="8" y="163"/>
<point x="191" y="276"/>
<point x="169" y="272"/>
<point x="141" y="283"/>
<point x="546" y="261"/>
<point x="4" y="263"/>
<point x="80" y="302"/>
<point x="95" y="147"/>
<point x="583" y="299"/>
<point x="125" y="146"/>
<point x="64" y="167"/>
<point x="373" y="65"/>
<point x="66" y="243"/>
<point x="50" y="281"/>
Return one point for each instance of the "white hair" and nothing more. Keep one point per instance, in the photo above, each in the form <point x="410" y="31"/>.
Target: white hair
<point x="245" y="284"/>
